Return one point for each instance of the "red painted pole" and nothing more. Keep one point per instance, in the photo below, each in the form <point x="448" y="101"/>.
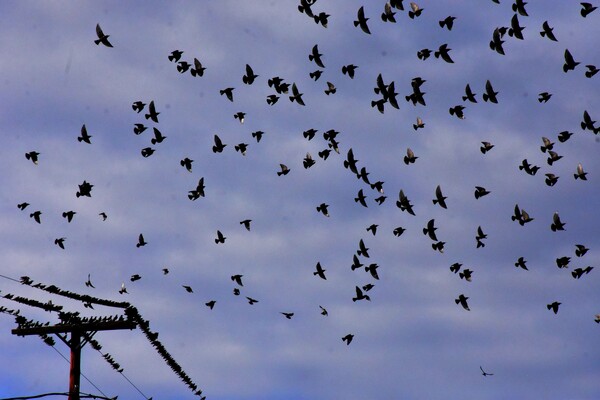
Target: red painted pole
<point x="75" y="345"/>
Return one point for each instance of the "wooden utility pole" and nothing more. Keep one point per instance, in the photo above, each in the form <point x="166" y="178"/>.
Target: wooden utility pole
<point x="79" y="331"/>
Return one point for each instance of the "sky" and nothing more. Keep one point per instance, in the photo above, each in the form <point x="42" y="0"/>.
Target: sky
<point x="411" y="340"/>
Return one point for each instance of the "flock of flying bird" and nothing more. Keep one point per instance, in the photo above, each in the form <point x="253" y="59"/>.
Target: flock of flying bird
<point x="388" y="97"/>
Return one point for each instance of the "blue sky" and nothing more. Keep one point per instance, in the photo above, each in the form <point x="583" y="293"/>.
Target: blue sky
<point x="410" y="340"/>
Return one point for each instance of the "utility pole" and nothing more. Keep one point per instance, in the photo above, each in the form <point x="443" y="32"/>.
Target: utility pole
<point x="80" y="334"/>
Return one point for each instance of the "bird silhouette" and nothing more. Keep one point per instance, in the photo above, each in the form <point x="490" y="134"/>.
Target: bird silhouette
<point x="362" y="249"/>
<point x="251" y="301"/>
<point x="372" y="228"/>
<point x="211" y="304"/>
<point x="103" y="216"/>
<point x="570" y="63"/>
<point x="158" y="137"/>
<point x="188" y="288"/>
<point x="288" y="315"/>
<point x="272" y="99"/>
<point x="138" y="106"/>
<point x="308" y="161"/>
<point x="322" y="208"/>
<point x="480" y="236"/>
<point x="85" y="189"/>
<point x="175" y="55"/>
<point x="469" y="95"/>
<point x="455" y="267"/>
<point x="284" y="170"/>
<point x="296" y="95"/>
<point x="448" y="22"/>
<point x="246" y="224"/>
<point x="580" y="250"/>
<point x="33" y="156"/>
<point x="152" y="114"/>
<point x="187" y="164"/>
<point x="228" y="92"/>
<point x="315" y="75"/>
<point x="249" y="76"/>
<point x="424" y="54"/>
<point x="462" y="299"/>
<point x="515" y="29"/>
<point x="218" y="146"/>
<point x="496" y="42"/>
<point x="415" y="10"/>
<point x="410" y="157"/>
<point x="84" y="137"/>
<point x="139" y="128"/>
<point x="362" y="21"/>
<point x="480" y="192"/>
<point x="544" y="97"/>
<point x="135" y="277"/>
<point x="220" y="238"/>
<point x="553" y="306"/>
<point x="443" y="52"/>
<point x="592" y="70"/>
<point x="419" y="124"/>
<point x="578" y="272"/>
<point x="398" y="231"/>
<point x="519" y="7"/>
<point x="466" y="274"/>
<point x="323" y="311"/>
<point x="348" y="339"/>
<point x="439" y="197"/>
<point x="60" y="242"/>
<point x="320" y="272"/>
<point x="484" y="373"/>
<point x="198" y="69"/>
<point x="349" y="70"/>
<point x="404" y="203"/>
<point x="521" y="263"/>
<point x="237" y="279"/>
<point x="22" y="206"/>
<point x="557" y="224"/>
<point x="257" y="135"/>
<point x="316" y="56"/>
<point x="147" y="152"/>
<point x="88" y="283"/>
<point x="141" y="242"/>
<point x="547" y="32"/>
<point x="361" y="198"/>
<point x="360" y="295"/>
<point x="241" y="148"/>
<point x="551" y="179"/>
<point x="123" y="289"/>
<point x="528" y="168"/>
<point x="183" y="67"/>
<point x="69" y="215"/>
<point x="430" y="229"/>
<point x="490" y="94"/>
<point x="102" y="38"/>
<point x="330" y="89"/>
<point x="322" y="18"/>
<point x="580" y="174"/>
<point x="372" y="269"/>
<point x="587" y="9"/>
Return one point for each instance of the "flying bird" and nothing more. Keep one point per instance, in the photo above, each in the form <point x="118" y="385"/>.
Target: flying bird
<point x="448" y="22"/>
<point x="362" y="21"/>
<point x="360" y="295"/>
<point x="521" y="263"/>
<point x="315" y="75"/>
<point x="469" y="95"/>
<point x="188" y="288"/>
<point x="430" y="229"/>
<point x="257" y="135"/>
<point x="484" y="373"/>
<point x="284" y="170"/>
<point x="251" y="301"/>
<point x="139" y="128"/>
<point x="296" y="95"/>
<point x="388" y="14"/>
<point x="175" y="55"/>
<point x="218" y="146"/>
<point x="580" y="250"/>
<point x="246" y="224"/>
<point x="349" y="70"/>
<point x="138" y="106"/>
<point x="443" y="52"/>
<point x="361" y="198"/>
<point x="33" y="156"/>
<point x="220" y="238"/>
<point x="60" y="242"/>
<point x="362" y="249"/>
<point x="372" y="228"/>
<point x="372" y="269"/>
<point x="69" y="215"/>
<point x="323" y="311"/>
<point x="419" y="124"/>
<point x="135" y="277"/>
<point x="152" y="114"/>
<point x="187" y="164"/>
<point x="490" y="94"/>
<point x="410" y="157"/>
<point x="519" y="7"/>
<point x="102" y="38"/>
<point x="288" y="315"/>
<point x="515" y="29"/>
<point x="480" y="236"/>
<point x="398" y="231"/>
<point x="211" y="304"/>
<point x="551" y="179"/>
<point x="553" y="306"/>
<point x="496" y="42"/>
<point x="183" y="66"/>
<point x="486" y="146"/>
<point x="404" y="203"/>
<point x="570" y="63"/>
<point x="84" y="137"/>
<point x="198" y="69"/>
<point x="85" y="189"/>
<point x="330" y="89"/>
<point x="141" y="242"/>
<point x="322" y="208"/>
<point x="455" y="267"/>
<point x="348" y="338"/>
<point x="557" y="224"/>
<point x="237" y="279"/>
<point x="423" y="54"/>
<point x="158" y="137"/>
<point x="316" y="56"/>
<point x="22" y="206"/>
<point x="320" y="272"/>
<point x="103" y="216"/>
<point x="415" y="10"/>
<point x="239" y="116"/>
<point x="587" y="9"/>
<point x="147" y="152"/>
<point x="228" y="92"/>
<point x="544" y="97"/>
<point x="462" y="299"/>
<point x="592" y="70"/>
<point x="250" y="76"/>
<point x="123" y="288"/>
<point x="88" y="283"/>
<point x="440" y="198"/>
<point x="580" y="174"/>
<point x="547" y="32"/>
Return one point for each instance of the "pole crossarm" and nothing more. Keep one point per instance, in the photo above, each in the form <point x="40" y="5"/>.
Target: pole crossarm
<point x="81" y="327"/>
